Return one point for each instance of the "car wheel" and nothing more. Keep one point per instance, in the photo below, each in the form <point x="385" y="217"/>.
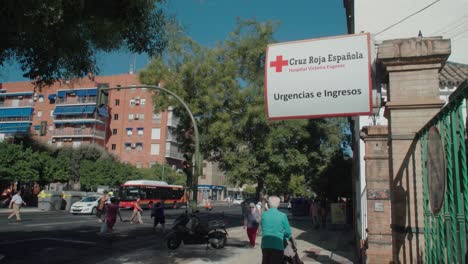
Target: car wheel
<point x="94" y="211"/>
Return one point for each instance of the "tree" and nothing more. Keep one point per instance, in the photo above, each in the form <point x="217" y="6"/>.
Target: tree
<point x="163" y="173"/>
<point x="76" y="157"/>
<point x="9" y="154"/>
<point x="105" y="172"/>
<point x="58" y="39"/>
<point x="223" y="87"/>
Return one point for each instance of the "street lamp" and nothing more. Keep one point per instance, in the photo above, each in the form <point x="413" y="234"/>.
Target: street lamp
<point x="197" y="155"/>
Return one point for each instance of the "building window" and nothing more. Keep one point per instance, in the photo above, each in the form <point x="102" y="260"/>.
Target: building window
<point x="128" y="147"/>
<point x="41" y="98"/>
<point x="139" y="147"/>
<point x="142" y="116"/>
<point x="157" y="118"/>
<point x="51" y="113"/>
<point x="133" y="87"/>
<point x="138" y="165"/>
<point x="132" y="102"/>
<point x="117" y="101"/>
<point x="116" y="116"/>
<point x="143" y="101"/>
<point x="155" y="133"/>
<point x="114" y="131"/>
<point x="154" y="149"/>
<point x="39" y="113"/>
<point x="113" y="147"/>
<point x="140" y="131"/>
<point x="130" y="116"/>
<point x="129" y="131"/>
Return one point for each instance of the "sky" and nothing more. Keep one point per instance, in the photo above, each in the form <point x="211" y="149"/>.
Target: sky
<point x="211" y="21"/>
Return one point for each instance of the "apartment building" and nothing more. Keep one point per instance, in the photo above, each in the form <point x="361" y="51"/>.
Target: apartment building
<point x="72" y="113"/>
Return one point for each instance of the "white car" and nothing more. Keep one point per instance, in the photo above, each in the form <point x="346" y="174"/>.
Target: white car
<point x="87" y="205"/>
<point x="237" y="201"/>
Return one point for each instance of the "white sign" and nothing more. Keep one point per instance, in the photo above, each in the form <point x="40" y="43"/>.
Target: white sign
<point x="319" y="78"/>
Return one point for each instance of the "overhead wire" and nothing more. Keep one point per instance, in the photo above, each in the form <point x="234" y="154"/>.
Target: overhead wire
<point x="413" y="14"/>
<point x="460" y="33"/>
<point x="453" y="25"/>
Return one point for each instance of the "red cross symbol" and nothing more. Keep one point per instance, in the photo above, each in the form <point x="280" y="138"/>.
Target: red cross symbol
<point x="279" y="63"/>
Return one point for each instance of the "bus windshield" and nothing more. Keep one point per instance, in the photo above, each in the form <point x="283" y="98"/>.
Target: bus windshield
<point x="129" y="193"/>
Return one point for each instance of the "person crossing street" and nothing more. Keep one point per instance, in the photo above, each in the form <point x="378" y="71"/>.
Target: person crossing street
<point x="15" y="204"/>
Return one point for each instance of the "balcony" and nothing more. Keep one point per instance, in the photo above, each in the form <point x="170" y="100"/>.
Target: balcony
<point x="79" y="132"/>
<point x="76" y="100"/>
<point x="170" y="137"/>
<point x="79" y="119"/>
<point x="172" y="120"/>
<point x="172" y="151"/>
<point x="17" y="103"/>
<point x="174" y="155"/>
<point x="15" y="119"/>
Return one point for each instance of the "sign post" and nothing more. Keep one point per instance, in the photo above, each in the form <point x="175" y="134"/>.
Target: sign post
<point x="319" y="78"/>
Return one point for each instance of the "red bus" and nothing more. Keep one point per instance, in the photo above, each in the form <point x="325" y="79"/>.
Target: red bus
<point x="157" y="191"/>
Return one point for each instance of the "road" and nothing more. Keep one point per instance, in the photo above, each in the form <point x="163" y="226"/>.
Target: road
<point x="59" y="237"/>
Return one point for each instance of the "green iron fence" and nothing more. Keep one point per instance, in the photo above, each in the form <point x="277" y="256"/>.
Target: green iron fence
<point x="445" y="231"/>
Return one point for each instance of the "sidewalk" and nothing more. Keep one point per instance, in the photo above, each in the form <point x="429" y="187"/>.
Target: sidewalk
<point x="23" y="210"/>
<point x="314" y="246"/>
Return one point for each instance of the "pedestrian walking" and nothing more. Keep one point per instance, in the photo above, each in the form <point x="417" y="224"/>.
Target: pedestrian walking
<point x="264" y="203"/>
<point x="275" y="229"/>
<point x="313" y="210"/>
<point x="136" y="212"/>
<point x="112" y="213"/>
<point x="6" y="196"/>
<point x="208" y="206"/>
<point x="252" y="222"/>
<point x="157" y="213"/>
<point x="15" y="204"/>
<point x="323" y="214"/>
<point x="101" y="210"/>
<point x="259" y="208"/>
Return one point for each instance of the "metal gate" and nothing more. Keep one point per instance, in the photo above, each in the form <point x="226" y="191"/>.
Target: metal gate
<point x="445" y="231"/>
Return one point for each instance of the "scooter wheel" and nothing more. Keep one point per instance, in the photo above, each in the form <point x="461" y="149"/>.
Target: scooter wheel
<point x="173" y="242"/>
<point x="217" y="239"/>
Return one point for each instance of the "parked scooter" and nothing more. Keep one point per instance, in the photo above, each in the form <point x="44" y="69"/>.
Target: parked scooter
<point x="195" y="229"/>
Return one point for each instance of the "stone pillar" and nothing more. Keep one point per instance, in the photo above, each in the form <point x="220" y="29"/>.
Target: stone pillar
<point x="412" y="66"/>
<point x="379" y="214"/>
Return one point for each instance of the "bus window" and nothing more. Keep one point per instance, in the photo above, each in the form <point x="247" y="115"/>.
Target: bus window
<point x="129" y="193"/>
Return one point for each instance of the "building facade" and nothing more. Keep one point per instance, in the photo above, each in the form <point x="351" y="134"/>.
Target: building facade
<point x="72" y="113"/>
<point x="212" y="183"/>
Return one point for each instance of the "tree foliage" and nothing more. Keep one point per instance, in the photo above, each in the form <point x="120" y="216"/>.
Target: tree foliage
<point x="223" y="87"/>
<point x="57" y="39"/>
<point x="88" y="165"/>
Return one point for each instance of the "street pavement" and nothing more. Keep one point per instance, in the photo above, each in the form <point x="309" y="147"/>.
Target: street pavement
<point x="59" y="237"/>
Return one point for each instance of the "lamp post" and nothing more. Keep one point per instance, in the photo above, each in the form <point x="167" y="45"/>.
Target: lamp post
<point x="197" y="155"/>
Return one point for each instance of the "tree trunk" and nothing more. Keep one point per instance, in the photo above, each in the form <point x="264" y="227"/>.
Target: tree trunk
<point x="260" y="189"/>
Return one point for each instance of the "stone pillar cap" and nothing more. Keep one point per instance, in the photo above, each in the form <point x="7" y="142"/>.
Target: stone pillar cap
<point x="414" y="51"/>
